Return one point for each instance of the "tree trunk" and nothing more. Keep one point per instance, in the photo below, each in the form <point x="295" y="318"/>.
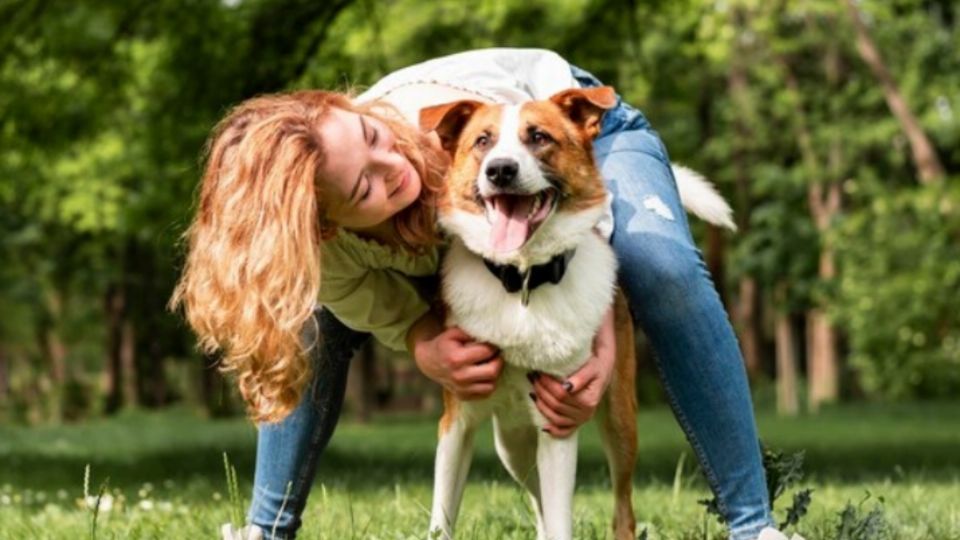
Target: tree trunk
<point x="213" y="390"/>
<point x="748" y="323"/>
<point x="4" y="377"/>
<point x="822" y="364"/>
<point x="788" y="402"/>
<point x="922" y="151"/>
<point x="747" y="314"/>
<point x="716" y="256"/>
<point x="113" y="306"/>
<point x="822" y="358"/>
<point x="822" y="371"/>
<point x="54" y="351"/>
<point x="128" y="361"/>
<point x="362" y="383"/>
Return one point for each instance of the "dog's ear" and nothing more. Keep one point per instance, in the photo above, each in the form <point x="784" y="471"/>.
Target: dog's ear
<point x="448" y="120"/>
<point x="585" y="106"/>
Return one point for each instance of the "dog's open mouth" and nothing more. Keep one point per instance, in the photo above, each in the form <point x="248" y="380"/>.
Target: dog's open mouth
<point x="515" y="217"/>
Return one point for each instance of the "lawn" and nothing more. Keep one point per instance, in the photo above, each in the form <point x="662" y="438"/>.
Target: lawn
<point x="164" y="477"/>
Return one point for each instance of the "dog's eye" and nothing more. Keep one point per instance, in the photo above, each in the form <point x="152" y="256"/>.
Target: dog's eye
<point x="482" y="141"/>
<point x="539" y="137"/>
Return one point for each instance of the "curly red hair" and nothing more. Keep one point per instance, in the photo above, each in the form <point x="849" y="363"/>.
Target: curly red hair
<point x="253" y="265"/>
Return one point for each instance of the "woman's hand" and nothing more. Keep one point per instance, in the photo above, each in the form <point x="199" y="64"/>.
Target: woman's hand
<point x="567" y="404"/>
<point x="467" y="368"/>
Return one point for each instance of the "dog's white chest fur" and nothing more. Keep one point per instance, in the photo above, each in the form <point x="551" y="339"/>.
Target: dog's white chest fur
<point x="554" y="332"/>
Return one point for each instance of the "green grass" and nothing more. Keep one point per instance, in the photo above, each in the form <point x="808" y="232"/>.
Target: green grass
<point x="166" y="477"/>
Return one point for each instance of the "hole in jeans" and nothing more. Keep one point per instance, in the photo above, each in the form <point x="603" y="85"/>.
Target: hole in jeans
<point x="658" y="207"/>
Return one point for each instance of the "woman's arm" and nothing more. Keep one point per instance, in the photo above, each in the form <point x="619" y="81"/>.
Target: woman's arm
<point x="467" y="368"/>
<point x="569" y="403"/>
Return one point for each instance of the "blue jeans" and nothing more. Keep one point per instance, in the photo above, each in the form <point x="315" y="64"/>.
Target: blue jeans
<point x="672" y="298"/>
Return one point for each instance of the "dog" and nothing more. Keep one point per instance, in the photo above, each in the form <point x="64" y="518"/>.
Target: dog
<point x="527" y="271"/>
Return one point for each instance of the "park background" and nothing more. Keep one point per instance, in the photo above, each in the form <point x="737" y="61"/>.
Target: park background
<point x="833" y="127"/>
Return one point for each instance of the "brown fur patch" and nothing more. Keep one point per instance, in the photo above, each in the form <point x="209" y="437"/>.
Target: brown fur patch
<point x="567" y="158"/>
<point x="462" y="176"/>
<point x="450" y="407"/>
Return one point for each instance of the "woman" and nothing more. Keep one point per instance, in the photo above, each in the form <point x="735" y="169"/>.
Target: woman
<point x="311" y="195"/>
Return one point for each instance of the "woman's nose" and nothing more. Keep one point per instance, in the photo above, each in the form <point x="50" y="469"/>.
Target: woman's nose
<point x="389" y="159"/>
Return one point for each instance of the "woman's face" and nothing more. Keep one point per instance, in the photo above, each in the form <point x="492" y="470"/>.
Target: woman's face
<point x="367" y="178"/>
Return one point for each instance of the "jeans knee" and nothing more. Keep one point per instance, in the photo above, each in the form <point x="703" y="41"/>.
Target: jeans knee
<point x="663" y="274"/>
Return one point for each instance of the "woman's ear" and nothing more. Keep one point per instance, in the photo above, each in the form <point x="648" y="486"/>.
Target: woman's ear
<point x="448" y="121"/>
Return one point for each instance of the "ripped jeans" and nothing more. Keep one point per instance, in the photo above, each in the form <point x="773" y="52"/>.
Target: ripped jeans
<point x="672" y="298"/>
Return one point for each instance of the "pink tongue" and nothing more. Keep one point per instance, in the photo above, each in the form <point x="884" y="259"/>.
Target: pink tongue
<point x="511" y="227"/>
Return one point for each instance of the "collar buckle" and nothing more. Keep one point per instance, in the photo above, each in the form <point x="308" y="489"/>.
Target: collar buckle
<point x="513" y="280"/>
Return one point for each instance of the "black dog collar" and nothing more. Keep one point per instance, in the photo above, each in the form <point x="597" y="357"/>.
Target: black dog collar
<point x="513" y="280"/>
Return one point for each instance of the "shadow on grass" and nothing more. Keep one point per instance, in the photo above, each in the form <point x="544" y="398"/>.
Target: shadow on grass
<point x="189" y="451"/>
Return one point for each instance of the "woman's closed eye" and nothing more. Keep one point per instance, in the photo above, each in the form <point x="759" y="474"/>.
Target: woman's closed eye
<point x="365" y="194"/>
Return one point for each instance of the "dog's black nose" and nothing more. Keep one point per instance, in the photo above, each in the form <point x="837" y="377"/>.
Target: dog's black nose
<point x="502" y="171"/>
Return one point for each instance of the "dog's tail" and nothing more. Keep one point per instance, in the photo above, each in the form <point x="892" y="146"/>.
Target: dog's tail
<point x="701" y="199"/>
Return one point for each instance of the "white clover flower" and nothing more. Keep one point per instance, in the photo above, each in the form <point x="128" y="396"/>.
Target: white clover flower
<point x="146" y="505"/>
<point x="5" y="499"/>
<point x="773" y="534"/>
<point x="106" y="502"/>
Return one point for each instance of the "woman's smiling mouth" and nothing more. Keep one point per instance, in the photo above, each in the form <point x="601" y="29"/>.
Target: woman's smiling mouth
<point x="402" y="183"/>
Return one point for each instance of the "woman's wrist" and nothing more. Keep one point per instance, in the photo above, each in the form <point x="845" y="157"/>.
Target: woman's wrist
<point x="422" y="333"/>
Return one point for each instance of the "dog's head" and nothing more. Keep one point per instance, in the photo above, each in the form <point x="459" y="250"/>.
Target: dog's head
<point x="523" y="184"/>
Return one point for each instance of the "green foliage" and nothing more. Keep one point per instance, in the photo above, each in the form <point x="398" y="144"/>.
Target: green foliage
<point x="782" y="471"/>
<point x="854" y="524"/>
<point x="234" y="498"/>
<point x="899" y="291"/>
<point x="106" y="106"/>
<point x="797" y="509"/>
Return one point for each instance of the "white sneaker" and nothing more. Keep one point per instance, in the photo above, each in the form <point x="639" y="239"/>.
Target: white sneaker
<point x="772" y="534"/>
<point x="250" y="532"/>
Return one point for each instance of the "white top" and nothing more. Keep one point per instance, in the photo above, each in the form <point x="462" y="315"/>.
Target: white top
<point x="508" y="76"/>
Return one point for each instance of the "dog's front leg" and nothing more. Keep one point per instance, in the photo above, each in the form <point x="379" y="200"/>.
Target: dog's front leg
<point x="454" y="452"/>
<point x="557" y="466"/>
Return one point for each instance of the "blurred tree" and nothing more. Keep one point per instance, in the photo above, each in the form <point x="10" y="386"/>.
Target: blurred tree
<point x="924" y="156"/>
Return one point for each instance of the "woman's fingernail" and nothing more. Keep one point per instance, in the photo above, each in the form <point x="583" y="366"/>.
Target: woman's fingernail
<point x="531" y="377"/>
<point x="533" y="397"/>
<point x="568" y="386"/>
<point x="545" y="430"/>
